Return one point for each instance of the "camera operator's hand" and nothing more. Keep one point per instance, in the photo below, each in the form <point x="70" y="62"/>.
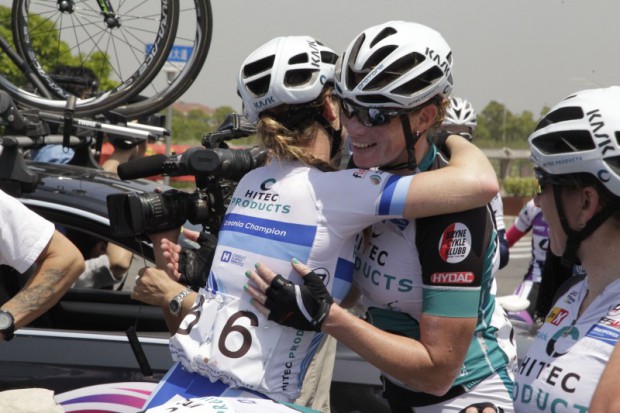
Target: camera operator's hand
<point x="166" y="251"/>
<point x="190" y="266"/>
<point x="304" y="307"/>
<point x="153" y="286"/>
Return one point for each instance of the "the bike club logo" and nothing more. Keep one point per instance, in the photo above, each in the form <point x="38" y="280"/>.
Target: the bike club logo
<point x="455" y="243"/>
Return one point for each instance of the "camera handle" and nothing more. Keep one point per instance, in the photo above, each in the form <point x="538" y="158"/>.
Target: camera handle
<point x="212" y="188"/>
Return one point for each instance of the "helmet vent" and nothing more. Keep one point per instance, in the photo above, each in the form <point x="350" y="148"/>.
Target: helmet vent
<point x="564" y="142"/>
<point x="299" y="58"/>
<point x="395" y="70"/>
<point x="298" y="77"/>
<point x="260" y="86"/>
<point x="329" y="57"/>
<point x="259" y="66"/>
<point x="423" y="81"/>
<point x="614" y="164"/>
<point x="378" y="56"/>
<point x="375" y="99"/>
<point x="561" y="115"/>
<point x="388" y="31"/>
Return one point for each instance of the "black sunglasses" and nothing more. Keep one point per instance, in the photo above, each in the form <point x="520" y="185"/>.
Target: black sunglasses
<point x="371" y="116"/>
<point x="543" y="179"/>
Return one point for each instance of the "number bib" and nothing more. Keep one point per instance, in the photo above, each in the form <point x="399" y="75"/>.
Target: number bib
<point x="225" y="338"/>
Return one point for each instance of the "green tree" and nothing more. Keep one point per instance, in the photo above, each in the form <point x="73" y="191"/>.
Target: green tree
<point x="189" y="128"/>
<point x="51" y="52"/>
<point x="498" y="127"/>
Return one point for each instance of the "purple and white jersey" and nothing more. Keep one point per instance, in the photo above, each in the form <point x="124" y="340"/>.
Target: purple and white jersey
<point x="531" y="218"/>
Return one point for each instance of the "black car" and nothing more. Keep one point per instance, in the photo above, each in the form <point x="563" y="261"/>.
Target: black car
<point x="80" y="348"/>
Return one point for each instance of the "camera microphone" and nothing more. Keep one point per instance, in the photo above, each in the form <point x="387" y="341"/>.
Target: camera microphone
<point x="143" y="167"/>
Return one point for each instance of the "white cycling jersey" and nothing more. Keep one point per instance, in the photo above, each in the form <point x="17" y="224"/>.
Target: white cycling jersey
<point x="278" y="212"/>
<point x="564" y="363"/>
<point x="443" y="266"/>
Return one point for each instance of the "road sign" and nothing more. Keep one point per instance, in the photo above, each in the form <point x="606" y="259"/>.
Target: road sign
<point x="179" y="54"/>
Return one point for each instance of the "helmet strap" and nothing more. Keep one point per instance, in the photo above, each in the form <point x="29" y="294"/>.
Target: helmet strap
<point x="574" y="238"/>
<point x="410" y="141"/>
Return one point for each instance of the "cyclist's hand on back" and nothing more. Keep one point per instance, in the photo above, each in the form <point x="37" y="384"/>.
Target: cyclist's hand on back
<point x="304" y="307"/>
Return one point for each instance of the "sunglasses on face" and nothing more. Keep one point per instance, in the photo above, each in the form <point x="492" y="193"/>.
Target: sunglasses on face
<point x="371" y="116"/>
<point x="544" y="179"/>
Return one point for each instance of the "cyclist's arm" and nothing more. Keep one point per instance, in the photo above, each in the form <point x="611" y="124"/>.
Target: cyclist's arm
<point x="429" y="365"/>
<point x="513" y="235"/>
<point x="606" y="397"/>
<point x="469" y="181"/>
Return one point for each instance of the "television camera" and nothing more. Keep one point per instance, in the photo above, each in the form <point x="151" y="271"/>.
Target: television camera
<point x="216" y="169"/>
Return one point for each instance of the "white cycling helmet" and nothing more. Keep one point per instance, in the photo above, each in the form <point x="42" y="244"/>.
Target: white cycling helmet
<point x="397" y="65"/>
<point x="286" y="70"/>
<point x="462" y="113"/>
<point x="581" y="134"/>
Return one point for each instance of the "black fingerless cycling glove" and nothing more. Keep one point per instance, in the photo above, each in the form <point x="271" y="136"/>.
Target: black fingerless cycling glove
<point x="303" y="307"/>
<point x="195" y="264"/>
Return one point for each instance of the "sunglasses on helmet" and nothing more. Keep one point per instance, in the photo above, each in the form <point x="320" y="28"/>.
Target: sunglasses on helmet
<point x="371" y="116"/>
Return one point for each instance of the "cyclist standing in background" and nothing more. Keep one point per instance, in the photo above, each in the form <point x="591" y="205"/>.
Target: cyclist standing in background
<point x="461" y="119"/>
<point x="530" y="218"/>
<point x="292" y="207"/>
<point x="433" y="327"/>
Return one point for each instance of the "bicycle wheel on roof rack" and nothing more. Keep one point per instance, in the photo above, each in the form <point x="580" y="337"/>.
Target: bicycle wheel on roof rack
<point x="192" y="41"/>
<point x="124" y="43"/>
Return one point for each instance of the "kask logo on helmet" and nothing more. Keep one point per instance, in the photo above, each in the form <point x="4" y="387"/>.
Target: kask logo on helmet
<point x="603" y="139"/>
<point x="443" y="64"/>
<point x="316" y="55"/>
<point x="269" y="100"/>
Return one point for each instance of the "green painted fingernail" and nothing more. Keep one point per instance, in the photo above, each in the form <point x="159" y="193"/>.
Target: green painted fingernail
<point x="256" y="265"/>
<point x="247" y="274"/>
<point x="245" y="287"/>
<point x="295" y="261"/>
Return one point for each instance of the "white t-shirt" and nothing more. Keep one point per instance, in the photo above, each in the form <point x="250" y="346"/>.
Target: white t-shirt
<point x="23" y="234"/>
<point x="565" y="362"/>
<point x="278" y="212"/>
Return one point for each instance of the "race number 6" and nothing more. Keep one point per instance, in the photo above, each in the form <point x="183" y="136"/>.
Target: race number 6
<point x="231" y="327"/>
